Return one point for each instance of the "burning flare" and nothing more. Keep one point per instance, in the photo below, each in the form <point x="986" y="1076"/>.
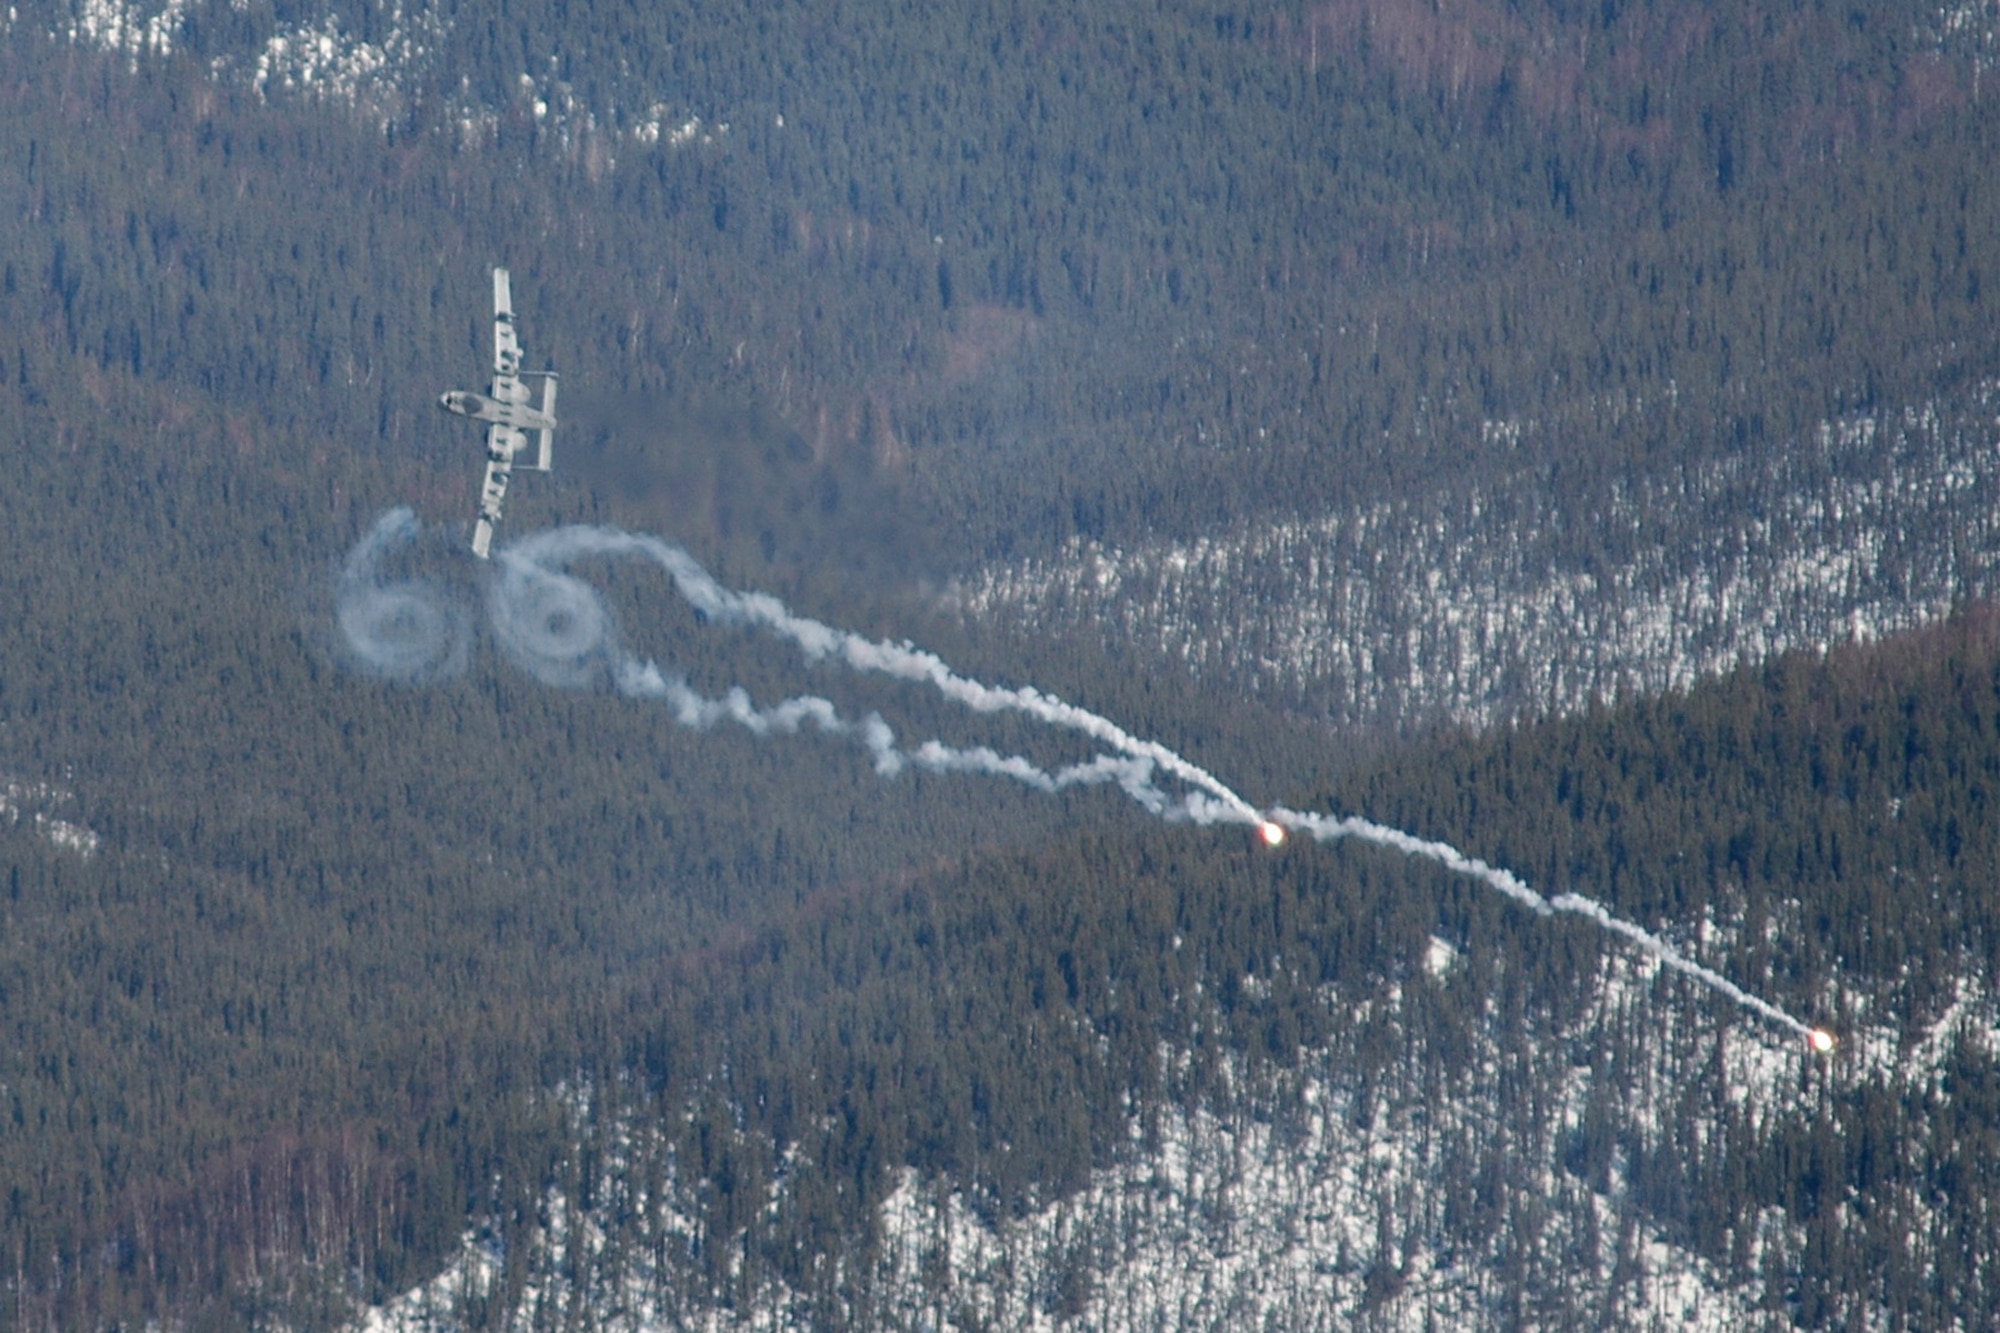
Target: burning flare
<point x="1272" y="832"/>
<point x="1820" y="1040"/>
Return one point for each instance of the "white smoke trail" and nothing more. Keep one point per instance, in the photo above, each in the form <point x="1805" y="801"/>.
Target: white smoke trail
<point x="550" y="551"/>
<point x="1134" y="776"/>
<point x="1325" y="828"/>
<point x="1660" y="949"/>
<point x="557" y="628"/>
<point x="692" y="709"/>
<point x="405" y="631"/>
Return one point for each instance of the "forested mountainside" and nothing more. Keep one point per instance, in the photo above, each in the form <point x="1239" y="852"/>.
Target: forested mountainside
<point x="1083" y="272"/>
<point x="309" y="977"/>
<point x="1488" y="602"/>
<point x="1152" y="1077"/>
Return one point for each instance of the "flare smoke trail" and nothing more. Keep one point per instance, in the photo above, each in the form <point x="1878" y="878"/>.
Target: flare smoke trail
<point x="555" y="627"/>
<point x="547" y="552"/>
<point x="1325" y="828"/>
<point x="692" y="709"/>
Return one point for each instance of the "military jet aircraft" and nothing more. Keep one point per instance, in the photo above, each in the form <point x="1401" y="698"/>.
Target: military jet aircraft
<point x="508" y="414"/>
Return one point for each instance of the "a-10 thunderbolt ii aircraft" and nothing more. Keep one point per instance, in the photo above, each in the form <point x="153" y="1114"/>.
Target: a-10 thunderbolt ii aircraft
<point x="508" y="414"/>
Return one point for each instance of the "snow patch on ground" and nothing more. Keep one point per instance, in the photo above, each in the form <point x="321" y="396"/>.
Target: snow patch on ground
<point x="129" y="27"/>
<point x="33" y="802"/>
<point x="323" y="60"/>
<point x="1439" y="957"/>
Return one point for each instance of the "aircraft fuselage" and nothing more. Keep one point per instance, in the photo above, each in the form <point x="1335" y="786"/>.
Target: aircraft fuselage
<point x="521" y="416"/>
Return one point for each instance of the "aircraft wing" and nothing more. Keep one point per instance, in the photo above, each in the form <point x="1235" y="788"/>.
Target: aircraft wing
<point x="507" y="386"/>
<point x="502" y="443"/>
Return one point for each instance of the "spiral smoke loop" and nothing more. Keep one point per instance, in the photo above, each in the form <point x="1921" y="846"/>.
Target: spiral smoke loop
<point x="551" y="625"/>
<point x="407" y="631"/>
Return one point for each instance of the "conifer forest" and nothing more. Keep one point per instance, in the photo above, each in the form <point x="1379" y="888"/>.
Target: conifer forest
<point x="1008" y="453"/>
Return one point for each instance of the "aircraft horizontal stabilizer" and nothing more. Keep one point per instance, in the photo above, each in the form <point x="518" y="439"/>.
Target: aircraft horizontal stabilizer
<point x="546" y="436"/>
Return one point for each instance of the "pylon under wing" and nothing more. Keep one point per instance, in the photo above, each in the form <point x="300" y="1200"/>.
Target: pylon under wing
<point x="508" y="413"/>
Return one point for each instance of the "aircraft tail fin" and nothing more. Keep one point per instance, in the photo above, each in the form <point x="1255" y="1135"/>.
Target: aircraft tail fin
<point x="546" y="443"/>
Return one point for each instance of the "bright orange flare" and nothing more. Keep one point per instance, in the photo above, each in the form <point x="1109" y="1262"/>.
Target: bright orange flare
<point x="1820" y="1040"/>
<point x="1272" y="833"/>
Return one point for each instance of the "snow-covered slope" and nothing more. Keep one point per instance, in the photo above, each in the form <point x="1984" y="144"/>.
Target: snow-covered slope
<point x="1481" y="605"/>
<point x="1315" y="1197"/>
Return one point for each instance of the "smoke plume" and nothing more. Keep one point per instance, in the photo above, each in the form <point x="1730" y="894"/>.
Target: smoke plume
<point x="558" y="629"/>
